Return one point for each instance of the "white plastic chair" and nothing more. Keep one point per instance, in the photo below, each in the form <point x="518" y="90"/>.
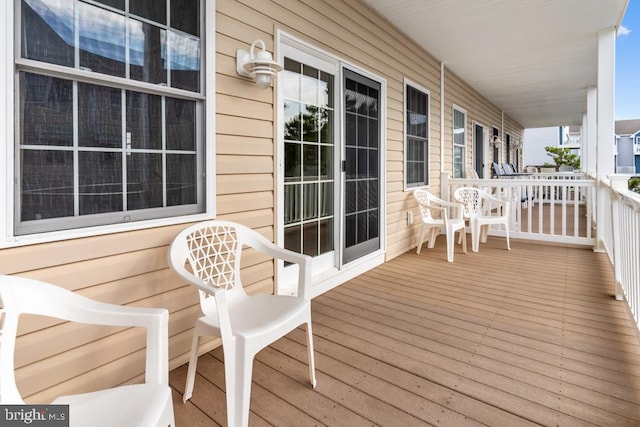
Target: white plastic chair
<point x="429" y="204"/>
<point x="148" y="404"/>
<point x="471" y="173"/>
<point x="483" y="209"/>
<point x="246" y="324"/>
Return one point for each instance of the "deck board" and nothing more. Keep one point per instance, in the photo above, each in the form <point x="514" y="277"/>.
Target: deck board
<point x="531" y="336"/>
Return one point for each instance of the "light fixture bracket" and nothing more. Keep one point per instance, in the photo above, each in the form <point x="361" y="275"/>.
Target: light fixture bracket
<point x="259" y="66"/>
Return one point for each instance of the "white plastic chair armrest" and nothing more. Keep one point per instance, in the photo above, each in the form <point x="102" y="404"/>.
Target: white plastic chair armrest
<point x="459" y="208"/>
<point x="493" y="198"/>
<point x="154" y="320"/>
<point x="58" y="302"/>
<point x="442" y="210"/>
<point x="262" y="244"/>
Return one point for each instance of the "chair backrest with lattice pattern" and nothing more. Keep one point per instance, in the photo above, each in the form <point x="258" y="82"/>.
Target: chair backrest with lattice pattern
<point x="471" y="198"/>
<point x="425" y="199"/>
<point x="214" y="254"/>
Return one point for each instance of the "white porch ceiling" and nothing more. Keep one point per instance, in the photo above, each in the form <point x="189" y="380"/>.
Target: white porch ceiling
<point x="533" y="59"/>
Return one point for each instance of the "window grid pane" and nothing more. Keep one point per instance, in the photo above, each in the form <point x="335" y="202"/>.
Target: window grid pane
<point x="155" y="51"/>
<point x="459" y="138"/>
<point x="417" y="142"/>
<point x="92" y="154"/>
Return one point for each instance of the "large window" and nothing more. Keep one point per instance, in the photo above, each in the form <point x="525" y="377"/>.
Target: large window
<point x="416" y="136"/>
<point x="459" y="141"/>
<point x="110" y="112"/>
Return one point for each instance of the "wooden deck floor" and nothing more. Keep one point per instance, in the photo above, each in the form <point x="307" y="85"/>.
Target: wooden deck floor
<point x="527" y="337"/>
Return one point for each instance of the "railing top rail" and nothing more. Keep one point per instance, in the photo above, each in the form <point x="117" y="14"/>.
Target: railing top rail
<point x="628" y="197"/>
<point x="520" y="181"/>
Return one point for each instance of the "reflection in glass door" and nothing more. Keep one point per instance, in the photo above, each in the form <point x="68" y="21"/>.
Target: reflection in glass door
<point x="308" y="159"/>
<point x="361" y="166"/>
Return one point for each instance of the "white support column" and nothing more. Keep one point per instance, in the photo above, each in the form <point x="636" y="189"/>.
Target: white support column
<point x="441" y="119"/>
<point x="583" y="143"/>
<point x="605" y="132"/>
<point x="592" y="129"/>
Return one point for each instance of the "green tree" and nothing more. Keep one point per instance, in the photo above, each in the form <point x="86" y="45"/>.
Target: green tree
<point x="562" y="156"/>
<point x="634" y="184"/>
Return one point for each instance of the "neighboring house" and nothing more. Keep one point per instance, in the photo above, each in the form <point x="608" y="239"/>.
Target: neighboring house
<point x="571" y="138"/>
<point x="535" y="139"/>
<point x="124" y="121"/>
<point x="627" y="142"/>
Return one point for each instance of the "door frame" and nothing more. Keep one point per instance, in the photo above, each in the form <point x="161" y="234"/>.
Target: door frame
<point x="483" y="148"/>
<point x="341" y="272"/>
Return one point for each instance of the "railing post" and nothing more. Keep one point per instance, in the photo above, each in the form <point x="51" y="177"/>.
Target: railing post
<point x="617" y="183"/>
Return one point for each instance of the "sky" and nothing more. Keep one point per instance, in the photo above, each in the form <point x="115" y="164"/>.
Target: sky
<point x="628" y="64"/>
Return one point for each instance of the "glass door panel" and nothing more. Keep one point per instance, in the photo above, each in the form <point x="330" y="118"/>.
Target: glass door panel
<point x="308" y="159"/>
<point x="361" y="166"/>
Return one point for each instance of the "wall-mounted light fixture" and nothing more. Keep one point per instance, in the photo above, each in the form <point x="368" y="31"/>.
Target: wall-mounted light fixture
<point x="260" y="65"/>
<point x="495" y="140"/>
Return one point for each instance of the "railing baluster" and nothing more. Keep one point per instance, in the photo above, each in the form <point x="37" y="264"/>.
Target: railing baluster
<point x="555" y="194"/>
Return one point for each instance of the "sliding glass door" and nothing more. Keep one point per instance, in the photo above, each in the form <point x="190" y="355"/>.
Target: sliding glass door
<point x="330" y="150"/>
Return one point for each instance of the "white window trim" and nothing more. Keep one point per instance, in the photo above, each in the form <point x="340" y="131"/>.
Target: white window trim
<point x="6" y="119"/>
<point x="408" y="82"/>
<point x="7" y="153"/>
<point x="453" y="139"/>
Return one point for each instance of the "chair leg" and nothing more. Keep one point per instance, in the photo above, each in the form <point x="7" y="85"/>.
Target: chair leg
<point x="432" y="238"/>
<point x="312" y="363"/>
<point x="463" y="238"/>
<point x="475" y="236"/>
<point x="451" y="239"/>
<point x="463" y="233"/>
<point x="484" y="232"/>
<point x="506" y="232"/>
<point x="238" y="368"/>
<point x="421" y="238"/>
<point x="193" y="363"/>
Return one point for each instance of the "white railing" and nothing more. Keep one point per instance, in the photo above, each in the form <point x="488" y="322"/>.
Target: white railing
<point x="554" y="207"/>
<point x="625" y="243"/>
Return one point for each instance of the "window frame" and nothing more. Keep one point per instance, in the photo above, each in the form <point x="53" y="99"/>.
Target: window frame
<point x="455" y="108"/>
<point x="9" y="113"/>
<point x="407" y="185"/>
